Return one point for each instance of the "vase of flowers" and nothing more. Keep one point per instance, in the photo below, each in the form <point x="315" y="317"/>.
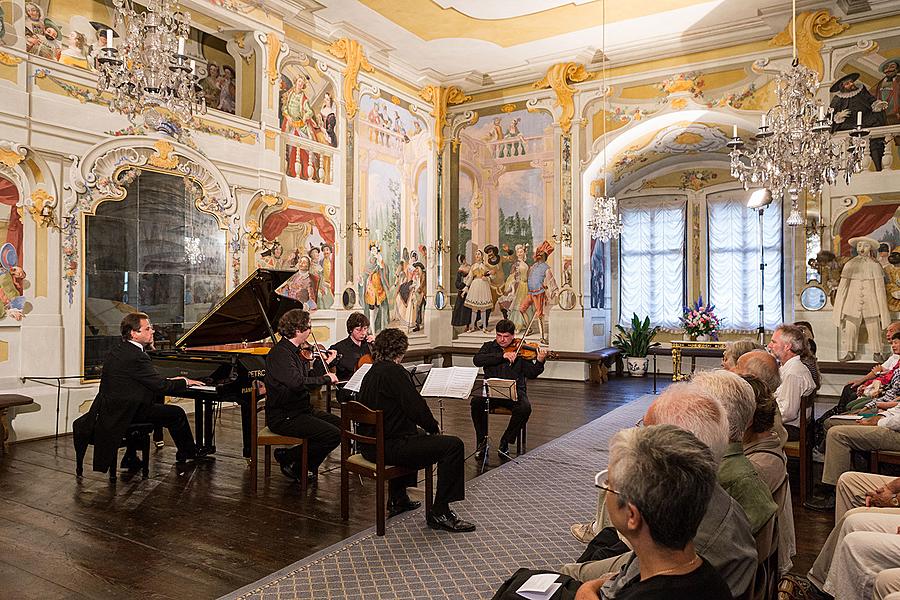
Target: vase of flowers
<point x="700" y="321"/>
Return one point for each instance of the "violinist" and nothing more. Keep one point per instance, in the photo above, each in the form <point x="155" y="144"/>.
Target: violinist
<point x="289" y="379"/>
<point x="499" y="359"/>
<point x="352" y="349"/>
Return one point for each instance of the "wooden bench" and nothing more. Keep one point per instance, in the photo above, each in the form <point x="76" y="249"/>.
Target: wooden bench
<point x="880" y="457"/>
<point x="834" y="367"/>
<point x="598" y="361"/>
<point x="8" y="401"/>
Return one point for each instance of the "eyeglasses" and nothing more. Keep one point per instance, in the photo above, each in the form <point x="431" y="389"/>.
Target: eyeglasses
<point x="601" y="477"/>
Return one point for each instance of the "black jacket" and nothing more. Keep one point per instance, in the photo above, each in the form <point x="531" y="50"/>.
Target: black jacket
<point x="490" y="358"/>
<point x="129" y="380"/>
<point x="388" y="387"/>
<point x="350" y="354"/>
<point x="289" y="380"/>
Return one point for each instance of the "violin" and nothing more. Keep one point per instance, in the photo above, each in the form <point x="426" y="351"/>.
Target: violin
<point x="310" y="352"/>
<point x="527" y="350"/>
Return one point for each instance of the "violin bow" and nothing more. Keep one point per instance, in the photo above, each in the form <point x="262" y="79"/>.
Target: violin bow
<point x="527" y="329"/>
<point x="316" y="349"/>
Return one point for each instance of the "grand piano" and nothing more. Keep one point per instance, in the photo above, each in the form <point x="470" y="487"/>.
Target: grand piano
<point x="226" y="349"/>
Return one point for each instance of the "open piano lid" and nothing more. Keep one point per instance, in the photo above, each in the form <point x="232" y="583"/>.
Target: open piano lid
<point x="242" y="315"/>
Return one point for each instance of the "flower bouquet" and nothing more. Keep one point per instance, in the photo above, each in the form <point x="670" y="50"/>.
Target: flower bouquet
<point x="700" y="320"/>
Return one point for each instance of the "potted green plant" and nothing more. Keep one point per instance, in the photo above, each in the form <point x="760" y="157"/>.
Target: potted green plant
<point x="635" y="343"/>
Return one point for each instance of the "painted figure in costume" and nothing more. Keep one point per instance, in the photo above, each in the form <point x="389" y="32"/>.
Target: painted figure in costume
<point x="542" y="288"/>
<point x="374" y="293"/>
<point x="12" y="302"/>
<point x="893" y="280"/>
<point x="326" y="284"/>
<point x="315" y="267"/>
<point x="416" y="306"/>
<point x="298" y="118"/>
<point x="227" y="90"/>
<point x="462" y="314"/>
<point x="513" y="133"/>
<point x="328" y="117"/>
<point x="46" y="44"/>
<point x="301" y="286"/>
<point x="861" y="299"/>
<point x="34" y="19"/>
<point x="495" y="264"/>
<point x="478" y="290"/>
<point x="210" y="85"/>
<point x="851" y="98"/>
<point x="887" y="90"/>
<point x="75" y="54"/>
<point x="400" y="292"/>
<point x="516" y="287"/>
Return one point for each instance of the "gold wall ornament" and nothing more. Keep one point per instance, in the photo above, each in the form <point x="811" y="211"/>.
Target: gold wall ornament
<point x="557" y="78"/>
<point x="440" y="98"/>
<point x="9" y="60"/>
<point x="41" y="208"/>
<point x="270" y="199"/>
<point x="812" y="27"/>
<point x="508" y="108"/>
<point x="11" y="158"/>
<point x="351" y="52"/>
<point x="163" y="155"/>
<point x="273" y="43"/>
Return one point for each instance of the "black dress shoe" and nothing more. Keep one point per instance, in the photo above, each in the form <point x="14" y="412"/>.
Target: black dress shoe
<point x="290" y="470"/>
<point x="192" y="457"/>
<point x="449" y="522"/>
<point x="401" y="506"/>
<point x="820" y="503"/>
<point x="280" y="455"/>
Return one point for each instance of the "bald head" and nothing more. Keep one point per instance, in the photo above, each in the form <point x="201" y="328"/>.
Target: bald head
<point x="761" y="365"/>
<point x="692" y="408"/>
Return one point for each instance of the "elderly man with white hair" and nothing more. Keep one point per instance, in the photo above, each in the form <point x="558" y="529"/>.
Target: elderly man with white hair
<point x="787" y="345"/>
<point x="736" y="472"/>
<point x="764" y="367"/>
<point x="723" y="537"/>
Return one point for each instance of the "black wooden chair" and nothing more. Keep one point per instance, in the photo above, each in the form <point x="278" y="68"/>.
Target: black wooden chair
<point x="352" y="413"/>
<point x="266" y="438"/>
<point x="803" y="448"/>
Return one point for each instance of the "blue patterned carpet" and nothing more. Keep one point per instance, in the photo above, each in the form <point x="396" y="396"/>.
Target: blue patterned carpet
<point x="523" y="511"/>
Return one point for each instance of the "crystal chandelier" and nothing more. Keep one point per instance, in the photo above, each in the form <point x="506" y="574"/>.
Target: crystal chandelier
<point x="794" y="149"/>
<point x="605" y="222"/>
<point x="149" y="69"/>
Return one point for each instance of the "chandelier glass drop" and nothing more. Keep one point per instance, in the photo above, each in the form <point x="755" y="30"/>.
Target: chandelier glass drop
<point x="149" y="69"/>
<point x="605" y="222"/>
<point x="794" y="150"/>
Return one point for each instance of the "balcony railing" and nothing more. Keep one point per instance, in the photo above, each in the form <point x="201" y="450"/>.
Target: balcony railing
<point x="307" y="160"/>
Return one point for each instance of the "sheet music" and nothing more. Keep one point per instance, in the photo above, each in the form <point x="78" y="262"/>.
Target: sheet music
<point x="450" y="382"/>
<point x="356" y="381"/>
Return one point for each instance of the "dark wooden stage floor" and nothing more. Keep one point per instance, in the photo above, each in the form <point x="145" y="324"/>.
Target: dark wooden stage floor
<point x="200" y="533"/>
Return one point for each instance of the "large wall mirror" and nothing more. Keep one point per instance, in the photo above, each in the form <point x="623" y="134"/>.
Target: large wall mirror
<point x="154" y="252"/>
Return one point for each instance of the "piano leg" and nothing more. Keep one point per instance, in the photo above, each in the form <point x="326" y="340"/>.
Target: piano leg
<point x="208" y="432"/>
<point x="198" y="422"/>
<point x="245" y="425"/>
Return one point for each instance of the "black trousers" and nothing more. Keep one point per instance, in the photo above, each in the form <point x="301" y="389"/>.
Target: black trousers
<point x="172" y="418"/>
<point x="419" y="451"/>
<point x="321" y="430"/>
<point x="521" y="410"/>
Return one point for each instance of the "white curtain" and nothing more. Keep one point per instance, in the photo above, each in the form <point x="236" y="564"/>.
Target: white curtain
<point x="652" y="260"/>
<point x="734" y="261"/>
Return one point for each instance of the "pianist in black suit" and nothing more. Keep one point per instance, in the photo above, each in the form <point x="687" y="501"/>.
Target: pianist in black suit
<point x="289" y="380"/>
<point x="352" y="348"/>
<point x="389" y="388"/>
<point x="130" y="390"/>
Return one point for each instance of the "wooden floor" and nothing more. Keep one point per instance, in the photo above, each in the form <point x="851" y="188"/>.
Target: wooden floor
<point x="200" y="533"/>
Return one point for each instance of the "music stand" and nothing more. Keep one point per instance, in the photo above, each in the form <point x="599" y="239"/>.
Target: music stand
<point x="498" y="389"/>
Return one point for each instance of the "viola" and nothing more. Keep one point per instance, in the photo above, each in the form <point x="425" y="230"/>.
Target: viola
<point x="365" y="359"/>
<point x="527" y="350"/>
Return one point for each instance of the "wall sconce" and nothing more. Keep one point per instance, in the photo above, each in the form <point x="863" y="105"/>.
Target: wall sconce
<point x="564" y="238"/>
<point x="441" y="247"/>
<point x="356" y="227"/>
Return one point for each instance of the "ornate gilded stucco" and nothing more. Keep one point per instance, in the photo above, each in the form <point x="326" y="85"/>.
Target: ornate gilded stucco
<point x="352" y="53"/>
<point x="11" y="157"/>
<point x="557" y="78"/>
<point x="812" y="27"/>
<point x="9" y="60"/>
<point x="273" y="43"/>
<point x="163" y="156"/>
<point x="440" y="98"/>
<point x="41" y="208"/>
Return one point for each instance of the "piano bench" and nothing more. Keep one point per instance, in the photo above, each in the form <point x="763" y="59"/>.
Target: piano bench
<point x="137" y="436"/>
<point x="267" y="438"/>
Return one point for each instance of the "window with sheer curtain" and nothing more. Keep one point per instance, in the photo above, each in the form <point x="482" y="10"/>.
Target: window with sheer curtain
<point x="734" y="261"/>
<point x="652" y="260"/>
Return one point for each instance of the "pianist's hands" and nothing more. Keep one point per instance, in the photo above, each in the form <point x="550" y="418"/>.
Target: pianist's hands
<point x="190" y="381"/>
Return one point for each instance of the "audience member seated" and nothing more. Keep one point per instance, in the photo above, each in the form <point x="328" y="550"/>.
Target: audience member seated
<point x="808" y="357"/>
<point x="851" y="390"/>
<point x="864" y="542"/>
<point x="882" y="389"/>
<point x="788" y="344"/>
<point x="736" y="474"/>
<point x="736" y="349"/>
<point x="659" y="483"/>
<point x="763" y="449"/>
<point x="723" y="536"/>
<point x="764" y="367"/>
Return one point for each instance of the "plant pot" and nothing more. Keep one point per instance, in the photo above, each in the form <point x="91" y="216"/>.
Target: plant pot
<point x="703" y="338"/>
<point x="637" y="367"/>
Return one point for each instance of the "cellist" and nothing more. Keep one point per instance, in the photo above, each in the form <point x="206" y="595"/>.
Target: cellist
<point x="352" y="349"/>
<point x="499" y="358"/>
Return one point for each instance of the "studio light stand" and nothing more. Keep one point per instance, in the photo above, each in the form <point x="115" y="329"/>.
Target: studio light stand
<point x="758" y="201"/>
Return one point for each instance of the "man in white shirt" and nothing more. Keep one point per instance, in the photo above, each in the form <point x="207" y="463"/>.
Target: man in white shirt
<point x="796" y="381"/>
